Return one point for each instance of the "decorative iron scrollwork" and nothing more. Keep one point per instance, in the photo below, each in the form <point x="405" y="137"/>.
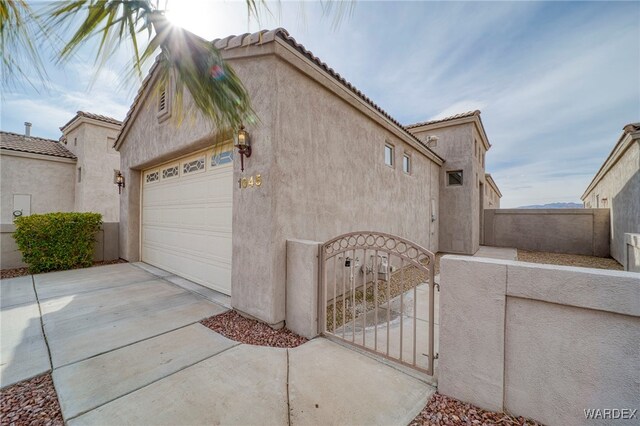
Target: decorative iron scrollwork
<point x="378" y="241"/>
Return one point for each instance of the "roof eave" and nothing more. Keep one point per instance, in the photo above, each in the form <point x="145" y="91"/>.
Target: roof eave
<point x="609" y="162"/>
<point x="455" y="122"/>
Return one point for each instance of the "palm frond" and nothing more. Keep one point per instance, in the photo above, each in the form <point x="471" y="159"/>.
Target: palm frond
<point x="197" y="67"/>
<point x="19" y="28"/>
<point x="117" y="20"/>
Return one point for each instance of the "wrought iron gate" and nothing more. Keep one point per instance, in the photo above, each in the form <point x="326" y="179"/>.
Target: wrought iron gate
<point x="377" y="292"/>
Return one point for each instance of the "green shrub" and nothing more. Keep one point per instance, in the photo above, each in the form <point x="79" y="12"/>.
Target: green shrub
<point x="57" y="241"/>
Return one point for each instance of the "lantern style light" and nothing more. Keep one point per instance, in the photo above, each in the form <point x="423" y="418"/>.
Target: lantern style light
<point x="242" y="143"/>
<point x="120" y="182"/>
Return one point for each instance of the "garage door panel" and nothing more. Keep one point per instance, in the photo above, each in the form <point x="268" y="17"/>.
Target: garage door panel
<point x="216" y="276"/>
<point x="187" y="221"/>
<point x="211" y="245"/>
<point x="212" y="217"/>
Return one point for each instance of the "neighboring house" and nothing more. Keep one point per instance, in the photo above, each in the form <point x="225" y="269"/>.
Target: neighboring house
<point x="325" y="160"/>
<point x="76" y="173"/>
<point x="492" y="193"/>
<point x="462" y="141"/>
<point x="37" y="176"/>
<point x="616" y="186"/>
<point x="90" y="137"/>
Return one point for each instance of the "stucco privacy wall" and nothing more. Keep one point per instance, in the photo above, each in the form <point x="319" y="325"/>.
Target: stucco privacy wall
<point x="618" y="189"/>
<point x="104" y="248"/>
<point x="573" y="231"/>
<point x="540" y="341"/>
<point x="49" y="181"/>
<point x="632" y="252"/>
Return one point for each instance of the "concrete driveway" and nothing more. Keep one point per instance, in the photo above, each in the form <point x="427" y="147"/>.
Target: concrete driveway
<point x="125" y="347"/>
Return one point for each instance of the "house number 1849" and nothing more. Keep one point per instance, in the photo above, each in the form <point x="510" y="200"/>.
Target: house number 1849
<point x="250" y="182"/>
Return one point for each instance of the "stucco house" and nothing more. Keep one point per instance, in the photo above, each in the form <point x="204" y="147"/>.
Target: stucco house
<point x="325" y="160"/>
<point x="616" y="186"/>
<point x="492" y="194"/>
<point x="462" y="141"/>
<point x="75" y="173"/>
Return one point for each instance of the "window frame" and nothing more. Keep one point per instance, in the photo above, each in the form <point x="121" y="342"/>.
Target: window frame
<point x="450" y="172"/>
<point x="406" y="156"/>
<point x="392" y="150"/>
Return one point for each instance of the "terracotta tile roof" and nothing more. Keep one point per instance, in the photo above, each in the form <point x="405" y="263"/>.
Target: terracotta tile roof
<point x="34" y="145"/>
<point x="453" y="117"/>
<point x="92" y="116"/>
<point x="263" y="37"/>
<point x="632" y="127"/>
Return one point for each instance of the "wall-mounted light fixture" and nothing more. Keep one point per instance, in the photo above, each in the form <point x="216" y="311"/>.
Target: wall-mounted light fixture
<point x="432" y="141"/>
<point x="241" y="141"/>
<point x="120" y="182"/>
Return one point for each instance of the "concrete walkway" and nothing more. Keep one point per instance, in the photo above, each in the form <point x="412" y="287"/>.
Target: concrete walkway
<point x="125" y="346"/>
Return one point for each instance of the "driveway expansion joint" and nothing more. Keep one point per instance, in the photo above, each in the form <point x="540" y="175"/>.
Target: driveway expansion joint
<point x="153" y="381"/>
<point x="44" y="335"/>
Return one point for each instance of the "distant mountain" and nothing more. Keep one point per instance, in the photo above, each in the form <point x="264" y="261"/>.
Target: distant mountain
<point x="553" y="206"/>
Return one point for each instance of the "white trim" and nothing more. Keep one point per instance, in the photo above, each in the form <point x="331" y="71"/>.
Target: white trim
<point x="393" y="155"/>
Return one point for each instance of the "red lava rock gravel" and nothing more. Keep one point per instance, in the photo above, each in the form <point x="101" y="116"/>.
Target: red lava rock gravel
<point x="30" y="402"/>
<point x="234" y="326"/>
<point x="442" y="410"/>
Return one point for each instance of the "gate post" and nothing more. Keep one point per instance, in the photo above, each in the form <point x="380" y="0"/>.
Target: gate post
<point x="302" y="287"/>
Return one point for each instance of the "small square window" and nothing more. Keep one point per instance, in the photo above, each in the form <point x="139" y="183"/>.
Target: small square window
<point x="388" y="155"/>
<point x="406" y="163"/>
<point x="454" y="177"/>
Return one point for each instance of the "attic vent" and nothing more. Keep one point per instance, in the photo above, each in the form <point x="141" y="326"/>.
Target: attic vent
<point x="162" y="104"/>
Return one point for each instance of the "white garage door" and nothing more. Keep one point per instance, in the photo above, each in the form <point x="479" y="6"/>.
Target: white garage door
<point x="186" y="217"/>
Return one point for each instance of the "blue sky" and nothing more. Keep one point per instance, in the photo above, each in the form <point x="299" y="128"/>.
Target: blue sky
<point x="555" y="82"/>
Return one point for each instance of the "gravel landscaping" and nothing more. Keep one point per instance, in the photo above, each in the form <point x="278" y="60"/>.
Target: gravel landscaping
<point x="442" y="410"/>
<point x="31" y="402"/>
<point x="568" y="260"/>
<point x="234" y="326"/>
<point x="20" y="272"/>
<point x="412" y="277"/>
